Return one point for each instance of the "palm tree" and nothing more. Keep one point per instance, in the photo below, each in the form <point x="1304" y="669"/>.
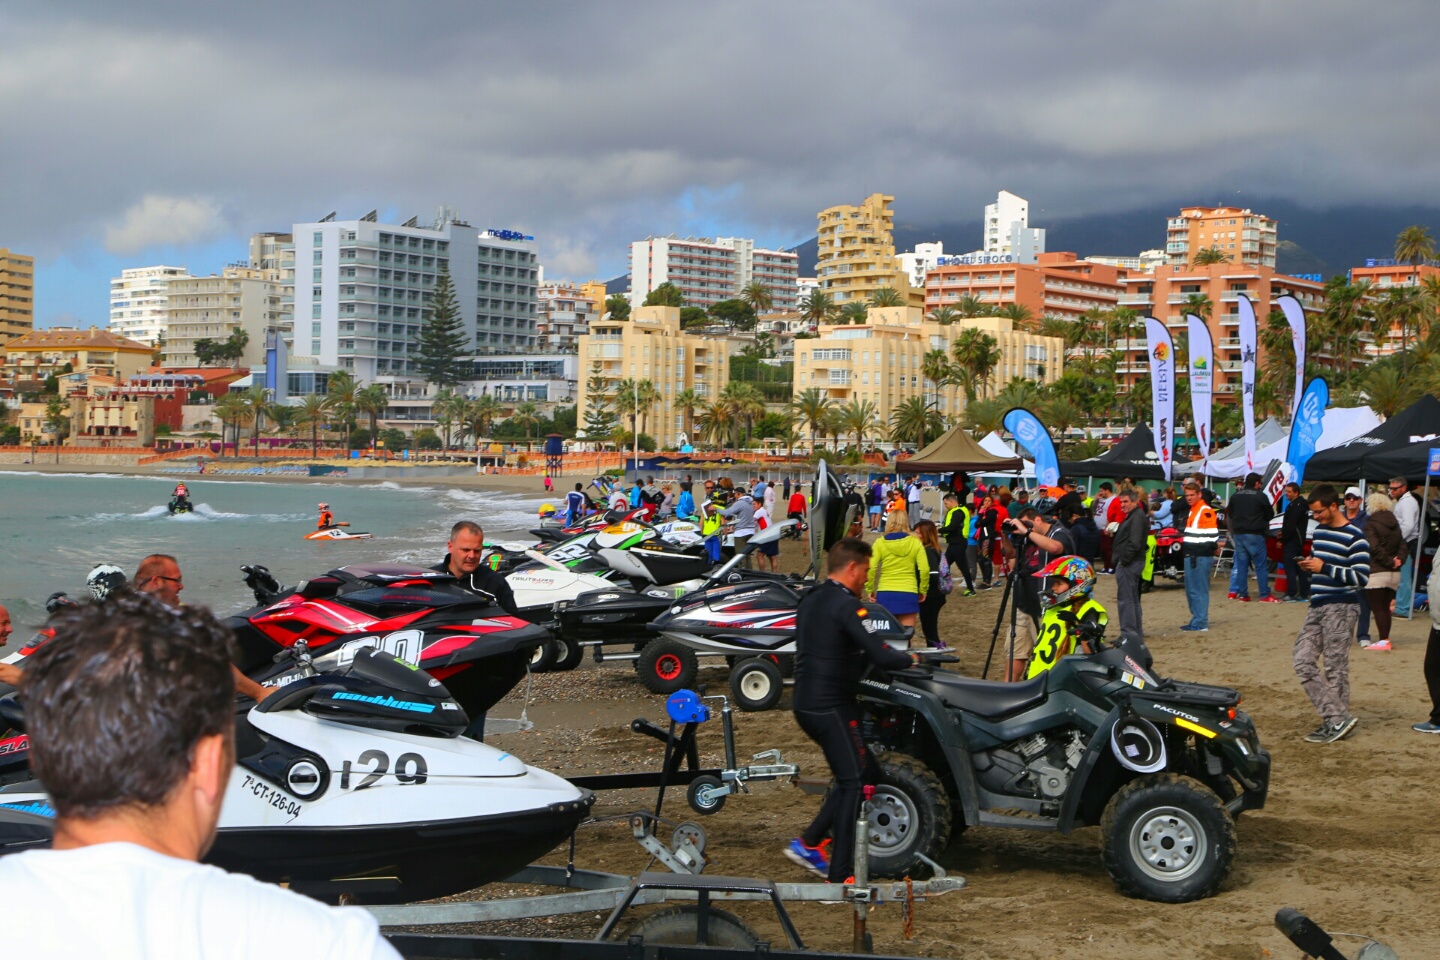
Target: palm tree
<point x="1344" y="317"/>
<point x="714" y="422"/>
<point x="1200" y="305"/>
<point x="635" y="399"/>
<point x="746" y="406"/>
<point x="1058" y="328"/>
<point x="977" y="353"/>
<point x="935" y="367"/>
<point x="984" y="416"/>
<point x="687" y="402"/>
<point x="282" y="417"/>
<point x="854" y="312"/>
<point x="968" y="306"/>
<point x="1020" y="392"/>
<point x="1206" y="256"/>
<point x="887" y="297"/>
<point x="314" y="410"/>
<point x="913" y="420"/>
<point x="1017" y="312"/>
<point x="1388" y="392"/>
<point x="756" y="296"/>
<point x="257" y="401"/>
<point x="944" y="315"/>
<point x="817" y="308"/>
<point x="372" y="401"/>
<point x="1060" y="414"/>
<point x="1414" y="246"/>
<point x="526" y="416"/>
<point x="57" y="421"/>
<point x="480" y="414"/>
<point x="856" y="417"/>
<point x="810" y="406"/>
<point x="447" y="408"/>
<point x="1401" y="307"/>
<point x="341" y="391"/>
<point x="232" y="411"/>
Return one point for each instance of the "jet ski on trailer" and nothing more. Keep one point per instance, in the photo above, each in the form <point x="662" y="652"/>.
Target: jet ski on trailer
<point x="360" y="783"/>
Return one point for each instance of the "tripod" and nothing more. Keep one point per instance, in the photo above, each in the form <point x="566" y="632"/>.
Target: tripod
<point x="1014" y="580"/>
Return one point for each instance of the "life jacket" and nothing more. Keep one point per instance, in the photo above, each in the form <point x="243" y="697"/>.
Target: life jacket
<point x="1057" y="638"/>
<point x="327" y="519"/>
<point x="711" y="525"/>
<point x="965" y="521"/>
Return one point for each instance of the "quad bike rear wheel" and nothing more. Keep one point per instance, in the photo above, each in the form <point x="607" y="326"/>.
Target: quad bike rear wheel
<point x="666" y="666"/>
<point x="1167" y="838"/>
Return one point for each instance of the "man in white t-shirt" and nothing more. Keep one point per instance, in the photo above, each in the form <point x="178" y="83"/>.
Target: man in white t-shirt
<point x="131" y="720"/>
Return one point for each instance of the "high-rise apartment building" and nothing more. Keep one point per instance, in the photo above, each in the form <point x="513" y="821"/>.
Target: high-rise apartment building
<point x="1008" y="231"/>
<point x="1058" y="285"/>
<point x="212" y="308"/>
<point x="708" y="271"/>
<point x="652" y="346"/>
<point x="856" y="252"/>
<point x="881" y="359"/>
<point x="919" y="262"/>
<point x="1243" y="235"/>
<point x="138" y="298"/>
<point x="363" y="290"/>
<point x="565" y="313"/>
<point x="17" y="294"/>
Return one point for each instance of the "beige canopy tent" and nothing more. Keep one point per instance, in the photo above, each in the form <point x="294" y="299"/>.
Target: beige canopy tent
<point x="955" y="450"/>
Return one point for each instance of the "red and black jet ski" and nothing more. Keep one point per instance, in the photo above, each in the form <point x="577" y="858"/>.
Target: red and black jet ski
<point x="590" y="524"/>
<point x="418" y="615"/>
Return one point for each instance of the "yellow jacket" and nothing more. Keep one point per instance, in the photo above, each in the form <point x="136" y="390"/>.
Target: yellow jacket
<point x="898" y="565"/>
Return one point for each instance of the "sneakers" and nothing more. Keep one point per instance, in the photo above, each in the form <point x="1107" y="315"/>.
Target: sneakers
<point x="1193" y="629"/>
<point x="1237" y="596"/>
<point x="1296" y="600"/>
<point x="968" y="593"/>
<point x="814" y="859"/>
<point x="1381" y="645"/>
<point x="1426" y="727"/>
<point x="1364" y="642"/>
<point x="1270" y="599"/>
<point x="1329" y="732"/>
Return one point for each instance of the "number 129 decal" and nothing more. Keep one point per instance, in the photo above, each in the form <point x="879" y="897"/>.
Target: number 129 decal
<point x="409" y="769"/>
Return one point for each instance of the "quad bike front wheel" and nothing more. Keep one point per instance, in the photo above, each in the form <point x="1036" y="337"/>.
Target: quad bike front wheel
<point x="1167" y="838"/>
<point x="666" y="666"/>
<point x="909" y="817"/>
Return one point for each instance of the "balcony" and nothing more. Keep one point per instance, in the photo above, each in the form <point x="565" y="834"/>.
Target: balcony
<point x="1136" y="299"/>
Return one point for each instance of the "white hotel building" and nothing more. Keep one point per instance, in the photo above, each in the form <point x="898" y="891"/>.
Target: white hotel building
<point x="139" y="298"/>
<point x="708" y="271"/>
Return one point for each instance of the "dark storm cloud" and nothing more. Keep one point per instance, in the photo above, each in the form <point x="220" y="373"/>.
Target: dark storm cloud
<point x="592" y="124"/>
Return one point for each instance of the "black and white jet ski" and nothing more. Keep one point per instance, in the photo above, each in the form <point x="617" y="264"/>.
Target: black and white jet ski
<point x="359" y="782"/>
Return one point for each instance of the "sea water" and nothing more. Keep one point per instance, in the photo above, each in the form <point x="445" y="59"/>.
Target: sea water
<point x="54" y="528"/>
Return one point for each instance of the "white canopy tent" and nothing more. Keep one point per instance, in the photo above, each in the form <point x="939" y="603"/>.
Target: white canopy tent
<point x="1341" y="424"/>
<point x="991" y="443"/>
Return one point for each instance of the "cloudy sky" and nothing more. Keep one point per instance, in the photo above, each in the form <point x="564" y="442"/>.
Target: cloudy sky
<point x="166" y="132"/>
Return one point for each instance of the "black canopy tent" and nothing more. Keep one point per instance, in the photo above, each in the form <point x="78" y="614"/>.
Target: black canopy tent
<point x="1399" y="447"/>
<point x="1134" y="456"/>
<point x="955" y="450"/>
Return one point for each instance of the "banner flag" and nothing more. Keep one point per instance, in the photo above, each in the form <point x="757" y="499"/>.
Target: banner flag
<point x="1309" y="423"/>
<point x="1248" y="344"/>
<point x="1162" y="390"/>
<point x="1031" y="434"/>
<point x="1296" y="315"/>
<point x="1202" y="381"/>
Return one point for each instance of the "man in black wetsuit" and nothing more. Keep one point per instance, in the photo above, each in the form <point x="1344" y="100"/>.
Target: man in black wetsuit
<point x="833" y="646"/>
<point x="467" y="543"/>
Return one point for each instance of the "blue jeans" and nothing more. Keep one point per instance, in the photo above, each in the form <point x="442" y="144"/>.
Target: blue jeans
<point x="1197" y="589"/>
<point x="1249" y="551"/>
<point x="1404" y="597"/>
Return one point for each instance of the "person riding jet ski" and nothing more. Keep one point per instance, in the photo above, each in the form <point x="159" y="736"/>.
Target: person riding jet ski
<point x="180" y="499"/>
<point x="327" y="519"/>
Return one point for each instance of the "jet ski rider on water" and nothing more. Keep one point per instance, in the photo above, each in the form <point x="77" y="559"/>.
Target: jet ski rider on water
<point x="180" y="499"/>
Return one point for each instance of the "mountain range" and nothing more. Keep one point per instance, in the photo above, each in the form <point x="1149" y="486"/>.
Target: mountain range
<point x="1327" y="242"/>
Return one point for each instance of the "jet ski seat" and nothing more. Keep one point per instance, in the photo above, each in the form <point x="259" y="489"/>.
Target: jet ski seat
<point x="987" y="698"/>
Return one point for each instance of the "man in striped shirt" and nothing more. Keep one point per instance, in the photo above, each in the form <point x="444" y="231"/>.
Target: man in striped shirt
<point x="1340" y="568"/>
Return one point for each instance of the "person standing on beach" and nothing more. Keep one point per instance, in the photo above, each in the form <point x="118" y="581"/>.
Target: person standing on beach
<point x="549" y="487"/>
<point x="1339" y="566"/>
<point x="1202" y="541"/>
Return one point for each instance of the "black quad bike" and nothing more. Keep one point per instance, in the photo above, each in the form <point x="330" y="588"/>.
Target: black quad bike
<point x="1162" y="767"/>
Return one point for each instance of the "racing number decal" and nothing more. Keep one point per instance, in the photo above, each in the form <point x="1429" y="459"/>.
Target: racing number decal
<point x="402" y="645"/>
<point x="410" y="768"/>
<point x="1048" y="644"/>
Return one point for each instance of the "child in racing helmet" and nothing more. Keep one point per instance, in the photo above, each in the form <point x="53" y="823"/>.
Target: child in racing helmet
<point x="327" y="519"/>
<point x="1066" y="602"/>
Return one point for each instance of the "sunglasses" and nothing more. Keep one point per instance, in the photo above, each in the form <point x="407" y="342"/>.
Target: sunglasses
<point x="1351" y="496"/>
<point x="171" y="579"/>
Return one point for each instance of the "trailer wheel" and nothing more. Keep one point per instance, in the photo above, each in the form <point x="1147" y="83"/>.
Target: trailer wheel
<point x="666" y="666"/>
<point x="1167" y="838"/>
<point x="680" y="926"/>
<point x="699" y="795"/>
<point x="544" y="657"/>
<point x="756" y="684"/>
<point x="571" y="655"/>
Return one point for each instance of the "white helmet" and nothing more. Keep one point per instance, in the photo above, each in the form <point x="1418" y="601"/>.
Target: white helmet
<point x="105" y="580"/>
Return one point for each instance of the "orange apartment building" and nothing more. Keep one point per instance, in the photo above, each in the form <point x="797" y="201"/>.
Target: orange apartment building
<point x="1384" y="276"/>
<point x="1246" y="236"/>
<point x="1058" y="285"/>
<point x="1164" y="294"/>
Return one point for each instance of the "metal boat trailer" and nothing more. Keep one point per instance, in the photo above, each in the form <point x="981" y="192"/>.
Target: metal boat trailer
<point x="589" y="891"/>
<point x="706" y="788"/>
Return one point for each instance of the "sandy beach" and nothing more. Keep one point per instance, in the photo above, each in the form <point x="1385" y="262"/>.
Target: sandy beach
<point x="1348" y="835"/>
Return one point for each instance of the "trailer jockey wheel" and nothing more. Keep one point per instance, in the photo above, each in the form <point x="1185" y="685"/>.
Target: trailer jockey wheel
<point x="704" y="795"/>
